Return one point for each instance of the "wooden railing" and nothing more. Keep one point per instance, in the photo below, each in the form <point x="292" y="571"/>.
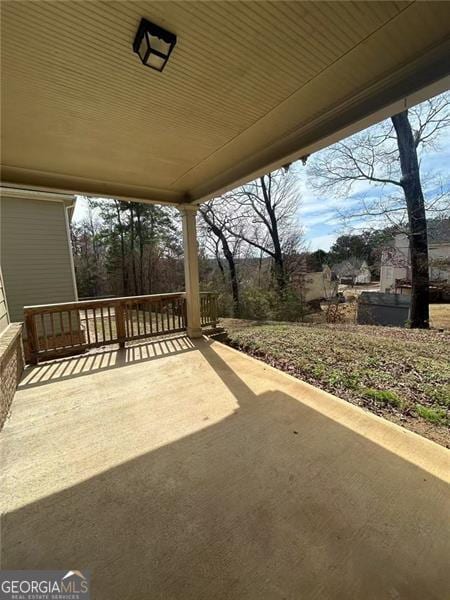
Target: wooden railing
<point x="208" y="308"/>
<point x="55" y="330"/>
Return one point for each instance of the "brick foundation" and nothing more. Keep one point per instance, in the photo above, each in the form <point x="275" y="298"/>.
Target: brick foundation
<point x="11" y="366"/>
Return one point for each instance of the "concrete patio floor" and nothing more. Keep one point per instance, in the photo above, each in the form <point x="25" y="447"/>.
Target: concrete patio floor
<point x="174" y="470"/>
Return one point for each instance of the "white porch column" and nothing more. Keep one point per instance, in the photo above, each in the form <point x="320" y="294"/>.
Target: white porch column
<point x="191" y="277"/>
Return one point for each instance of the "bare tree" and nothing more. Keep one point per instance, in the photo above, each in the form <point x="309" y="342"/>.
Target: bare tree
<point x="217" y="219"/>
<point x="263" y="215"/>
<point x="123" y="248"/>
<point x="388" y="155"/>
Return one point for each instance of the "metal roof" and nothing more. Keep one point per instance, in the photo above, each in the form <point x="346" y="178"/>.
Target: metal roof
<point x="248" y="87"/>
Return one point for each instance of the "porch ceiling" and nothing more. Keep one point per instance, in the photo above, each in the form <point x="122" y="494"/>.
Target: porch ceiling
<point x="249" y="86"/>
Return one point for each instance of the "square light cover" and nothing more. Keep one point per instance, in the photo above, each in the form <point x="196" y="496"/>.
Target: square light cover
<point x="153" y="44"/>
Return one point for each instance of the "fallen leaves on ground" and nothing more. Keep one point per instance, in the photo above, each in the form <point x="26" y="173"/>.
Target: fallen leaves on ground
<point x="401" y="374"/>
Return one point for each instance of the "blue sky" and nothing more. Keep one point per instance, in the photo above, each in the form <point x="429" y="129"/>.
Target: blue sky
<point x="319" y="215"/>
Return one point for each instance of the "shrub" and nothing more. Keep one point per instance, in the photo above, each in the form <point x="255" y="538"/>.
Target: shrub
<point x="257" y="304"/>
<point x="289" y="308"/>
<point x="225" y="304"/>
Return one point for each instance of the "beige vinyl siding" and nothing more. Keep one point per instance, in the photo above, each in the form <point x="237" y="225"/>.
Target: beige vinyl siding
<point x="4" y="318"/>
<point x="35" y="253"/>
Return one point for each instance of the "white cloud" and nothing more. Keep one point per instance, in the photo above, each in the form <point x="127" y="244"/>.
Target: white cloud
<point x="323" y="242"/>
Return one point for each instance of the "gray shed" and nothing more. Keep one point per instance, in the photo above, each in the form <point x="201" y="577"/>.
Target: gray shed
<point x="375" y="308"/>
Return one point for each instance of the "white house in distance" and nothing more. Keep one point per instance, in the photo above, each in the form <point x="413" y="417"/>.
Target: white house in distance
<point x="395" y="272"/>
<point x="353" y="271"/>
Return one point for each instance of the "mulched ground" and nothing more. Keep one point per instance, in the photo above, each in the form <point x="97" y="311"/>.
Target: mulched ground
<point x="402" y="375"/>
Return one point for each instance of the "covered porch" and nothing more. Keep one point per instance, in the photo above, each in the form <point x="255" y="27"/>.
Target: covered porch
<point x="179" y="468"/>
<point x="184" y="469"/>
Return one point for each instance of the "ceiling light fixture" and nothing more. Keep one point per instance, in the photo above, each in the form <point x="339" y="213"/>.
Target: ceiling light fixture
<point x="153" y="44"/>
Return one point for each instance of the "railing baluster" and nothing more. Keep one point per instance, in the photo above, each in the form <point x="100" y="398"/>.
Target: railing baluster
<point x="156" y="317"/>
<point x="94" y="319"/>
<point x="44" y="332"/>
<point x="109" y="324"/>
<point x="120" y="324"/>
<point x="86" y="320"/>
<point x="150" y="316"/>
<point x="103" y="323"/>
<point x="126" y="324"/>
<point x="138" y="319"/>
<point x="129" y="309"/>
<point x="143" y="319"/>
<point x="52" y="329"/>
<point x="69" y="312"/>
<point x="61" y="327"/>
<point x="167" y="314"/>
<point x="214" y="297"/>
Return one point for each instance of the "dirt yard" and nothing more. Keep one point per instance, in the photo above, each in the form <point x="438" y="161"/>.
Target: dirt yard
<point x="439" y="313"/>
<point x="399" y="374"/>
<point x="440" y="316"/>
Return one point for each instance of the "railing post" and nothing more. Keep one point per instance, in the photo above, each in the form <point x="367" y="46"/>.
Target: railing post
<point x="120" y="323"/>
<point x="32" y="338"/>
<point x="214" y="310"/>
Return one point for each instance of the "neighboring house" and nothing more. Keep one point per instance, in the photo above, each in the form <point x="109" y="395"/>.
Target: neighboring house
<point x="319" y="285"/>
<point x="35" y="251"/>
<point x="395" y="273"/>
<point x="311" y="286"/>
<point x="353" y="271"/>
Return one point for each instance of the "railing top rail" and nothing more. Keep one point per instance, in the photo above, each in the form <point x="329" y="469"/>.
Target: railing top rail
<point x="101" y="302"/>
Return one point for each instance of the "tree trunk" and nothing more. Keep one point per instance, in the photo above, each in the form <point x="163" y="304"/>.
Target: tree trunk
<point x="151" y="252"/>
<point x="94" y="279"/>
<point x="141" y="249"/>
<point x="260" y="267"/>
<point x="133" y="258"/>
<point x="278" y="259"/>
<point x="230" y="262"/>
<point x="122" y="251"/>
<point x="219" y="262"/>
<point x="418" y="239"/>
<point x="233" y="277"/>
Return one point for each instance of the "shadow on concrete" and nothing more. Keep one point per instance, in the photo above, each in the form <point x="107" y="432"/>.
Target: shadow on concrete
<point x="86" y="364"/>
<point x="276" y="501"/>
